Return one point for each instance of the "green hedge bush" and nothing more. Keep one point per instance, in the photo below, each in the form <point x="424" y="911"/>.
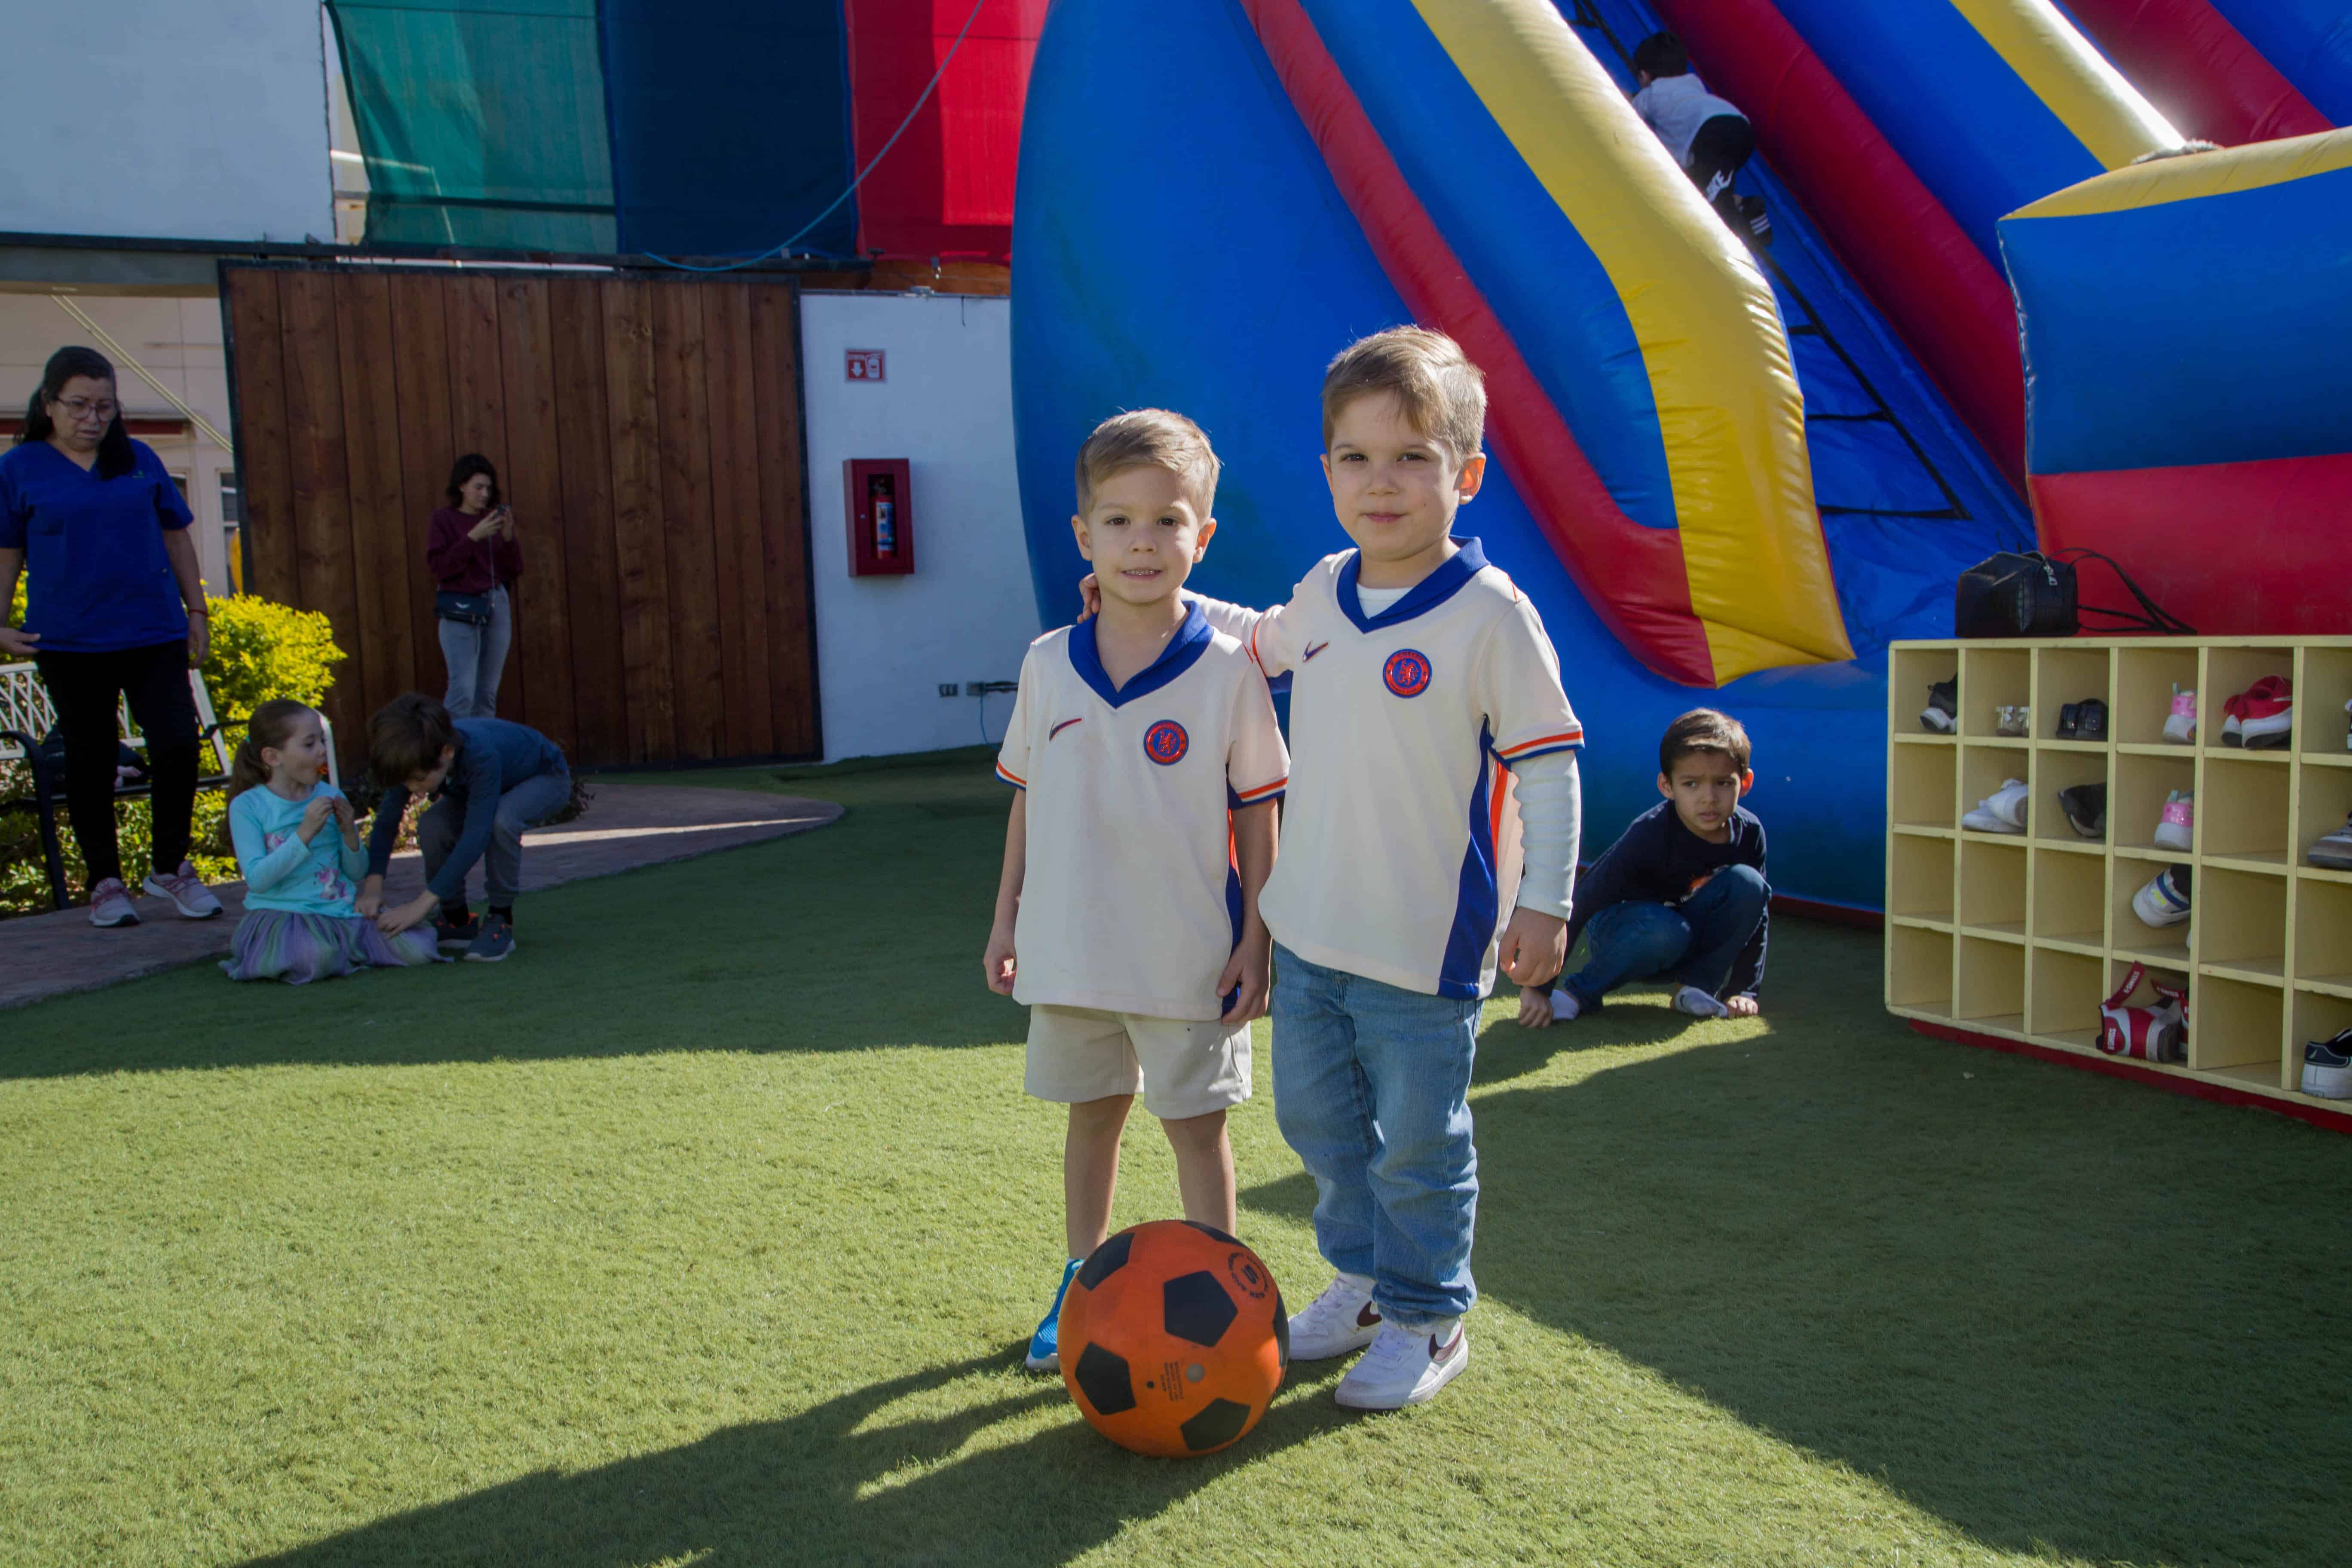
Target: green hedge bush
<point x="260" y="650"/>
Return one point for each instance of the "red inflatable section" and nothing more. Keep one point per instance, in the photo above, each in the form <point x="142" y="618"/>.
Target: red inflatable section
<point x="946" y="189"/>
<point x="2273" y="568"/>
<point x="1936" y="287"/>
<point x="1648" y="607"/>
<point x="2188" y="61"/>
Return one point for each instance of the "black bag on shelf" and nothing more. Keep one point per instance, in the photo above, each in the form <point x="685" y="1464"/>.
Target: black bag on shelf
<point x="2031" y="594"/>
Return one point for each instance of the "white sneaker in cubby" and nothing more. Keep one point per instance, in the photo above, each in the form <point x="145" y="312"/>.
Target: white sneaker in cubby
<point x="2002" y="811"/>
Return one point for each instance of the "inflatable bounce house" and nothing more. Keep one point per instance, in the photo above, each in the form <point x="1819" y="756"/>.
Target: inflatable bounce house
<point x="1726" y="478"/>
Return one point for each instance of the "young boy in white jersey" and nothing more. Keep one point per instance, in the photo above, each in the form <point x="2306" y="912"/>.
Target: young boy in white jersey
<point x="1147" y="760"/>
<point x="1424" y="687"/>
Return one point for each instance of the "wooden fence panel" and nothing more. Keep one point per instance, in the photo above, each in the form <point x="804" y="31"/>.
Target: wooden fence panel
<point x="647" y="432"/>
<point x="386" y="654"/>
<point x="593" y="571"/>
<point x="542" y="622"/>
<point x="420" y="342"/>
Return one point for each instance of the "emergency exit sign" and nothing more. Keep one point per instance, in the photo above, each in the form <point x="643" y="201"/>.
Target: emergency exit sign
<point x="864" y="364"/>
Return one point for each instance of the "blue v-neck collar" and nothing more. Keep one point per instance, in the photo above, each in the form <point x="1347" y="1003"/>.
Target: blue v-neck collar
<point x="1182" y="652"/>
<point x="1424" y="596"/>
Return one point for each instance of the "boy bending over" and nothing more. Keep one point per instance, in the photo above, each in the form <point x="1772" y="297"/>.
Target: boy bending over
<point x="1422" y="682"/>
<point x="1143" y="747"/>
<point x="1682" y="894"/>
<point x="489" y="780"/>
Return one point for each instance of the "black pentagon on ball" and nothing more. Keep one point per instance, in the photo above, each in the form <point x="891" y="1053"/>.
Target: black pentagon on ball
<point x="1215" y="1427"/>
<point x="1103" y="1377"/>
<point x="1281" y="1331"/>
<point x="1195" y="1307"/>
<point x="1107" y="1260"/>
<point x="1213" y="1230"/>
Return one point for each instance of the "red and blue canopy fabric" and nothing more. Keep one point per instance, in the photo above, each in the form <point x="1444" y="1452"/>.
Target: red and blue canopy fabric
<point x="2189" y="410"/>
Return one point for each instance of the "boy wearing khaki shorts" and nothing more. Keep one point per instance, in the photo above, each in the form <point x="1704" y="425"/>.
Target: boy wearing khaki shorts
<point x="1146" y="761"/>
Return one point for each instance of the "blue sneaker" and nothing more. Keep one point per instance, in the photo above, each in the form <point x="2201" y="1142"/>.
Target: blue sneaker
<point x="493" y="941"/>
<point x="1045" y="1345"/>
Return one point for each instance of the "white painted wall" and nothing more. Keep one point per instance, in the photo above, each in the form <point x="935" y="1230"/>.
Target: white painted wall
<point x="167" y="119"/>
<point x="885" y="645"/>
<point x="177" y="338"/>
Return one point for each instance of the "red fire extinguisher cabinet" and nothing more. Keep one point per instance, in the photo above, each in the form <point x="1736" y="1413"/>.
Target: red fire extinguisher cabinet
<point x="878" y="503"/>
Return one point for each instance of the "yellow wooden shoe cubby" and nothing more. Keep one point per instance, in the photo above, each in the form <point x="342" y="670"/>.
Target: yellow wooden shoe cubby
<point x="2023" y="936"/>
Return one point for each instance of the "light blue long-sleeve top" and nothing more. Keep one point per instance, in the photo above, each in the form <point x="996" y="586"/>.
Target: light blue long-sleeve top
<point x="281" y="872"/>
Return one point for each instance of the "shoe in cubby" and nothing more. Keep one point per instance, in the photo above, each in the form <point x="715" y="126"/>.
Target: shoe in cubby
<point x="2163" y="899"/>
<point x="2262" y="716"/>
<point x="2003" y="811"/>
<point x="2176" y="826"/>
<point x="2180" y="723"/>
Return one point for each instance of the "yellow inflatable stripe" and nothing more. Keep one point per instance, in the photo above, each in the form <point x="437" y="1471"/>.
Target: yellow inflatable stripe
<point x="2185" y="178"/>
<point x="2090" y="97"/>
<point x="1729" y="409"/>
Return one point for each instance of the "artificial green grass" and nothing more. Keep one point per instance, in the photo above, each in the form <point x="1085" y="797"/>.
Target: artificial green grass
<point x="707" y="1230"/>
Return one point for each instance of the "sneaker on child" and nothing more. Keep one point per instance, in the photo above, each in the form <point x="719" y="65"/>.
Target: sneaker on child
<point x="1045" y="1345"/>
<point x="2180" y="725"/>
<point x="1942" y="713"/>
<point x="1696" y="1003"/>
<point x="2164" y="902"/>
<point x="1340" y="1319"/>
<point x="110" y="904"/>
<point x="2327" y="1067"/>
<point x="2334" y="849"/>
<point x="2177" y="827"/>
<point x="2003" y="811"/>
<point x="495" y="941"/>
<point x="1404" y="1366"/>
<point x="2261" y="716"/>
<point x="187" y="892"/>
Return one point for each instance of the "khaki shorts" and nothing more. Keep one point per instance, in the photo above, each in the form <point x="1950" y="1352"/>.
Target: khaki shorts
<point x="1184" y="1070"/>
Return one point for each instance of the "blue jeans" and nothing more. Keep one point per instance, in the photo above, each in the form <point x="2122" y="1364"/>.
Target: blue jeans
<point x="526" y="806"/>
<point x="1693" y="942"/>
<point x="477" y="657"/>
<point x="1371" y="1087"/>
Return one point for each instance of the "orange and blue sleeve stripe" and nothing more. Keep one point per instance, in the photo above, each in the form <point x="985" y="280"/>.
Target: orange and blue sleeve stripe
<point x="1237" y="798"/>
<point x="1015" y="780"/>
<point x="1568" y="740"/>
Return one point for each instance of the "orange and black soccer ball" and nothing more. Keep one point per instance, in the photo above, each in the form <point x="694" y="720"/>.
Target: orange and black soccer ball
<point x="1173" y="1338"/>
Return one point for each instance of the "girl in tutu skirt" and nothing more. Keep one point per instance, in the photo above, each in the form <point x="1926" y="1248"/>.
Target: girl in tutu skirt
<point x="298" y="845"/>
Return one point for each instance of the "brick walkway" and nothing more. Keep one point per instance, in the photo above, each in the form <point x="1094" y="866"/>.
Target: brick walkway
<point x="629" y="825"/>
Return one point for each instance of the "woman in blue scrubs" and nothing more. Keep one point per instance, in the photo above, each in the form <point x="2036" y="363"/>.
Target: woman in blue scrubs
<point x="115" y="608"/>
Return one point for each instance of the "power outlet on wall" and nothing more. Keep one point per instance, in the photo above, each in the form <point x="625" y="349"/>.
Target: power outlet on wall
<point x="989" y="688"/>
<point x="950" y="688"/>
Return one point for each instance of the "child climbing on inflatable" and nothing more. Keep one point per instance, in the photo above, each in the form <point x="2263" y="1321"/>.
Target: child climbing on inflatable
<point x="1708" y="136"/>
<point x="297" y="844"/>
<point x="1680" y="894"/>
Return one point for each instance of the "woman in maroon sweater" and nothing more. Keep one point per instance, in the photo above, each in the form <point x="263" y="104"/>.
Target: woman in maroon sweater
<point x="472" y="554"/>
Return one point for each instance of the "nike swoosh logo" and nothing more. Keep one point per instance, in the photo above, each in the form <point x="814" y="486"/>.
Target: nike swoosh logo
<point x="1311" y="652"/>
<point x="1064" y="725"/>
<point x="1367" y="1318"/>
<point x="1438" y="1354"/>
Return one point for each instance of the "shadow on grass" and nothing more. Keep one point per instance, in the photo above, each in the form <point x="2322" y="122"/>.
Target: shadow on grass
<point x="843" y="1482"/>
<point x="2062" y="1313"/>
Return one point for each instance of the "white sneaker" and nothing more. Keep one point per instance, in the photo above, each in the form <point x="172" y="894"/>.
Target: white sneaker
<point x="187" y="892"/>
<point x="1690" y="999"/>
<point x="110" y="904"/>
<point x="1340" y="1319"/>
<point x="1403" y="1368"/>
<point x="2002" y="811"/>
<point x="2180" y="724"/>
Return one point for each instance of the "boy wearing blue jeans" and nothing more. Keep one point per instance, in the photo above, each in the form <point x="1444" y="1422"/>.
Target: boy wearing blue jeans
<point x="1423" y="689"/>
<point x="489" y="780"/>
<point x="1681" y="894"/>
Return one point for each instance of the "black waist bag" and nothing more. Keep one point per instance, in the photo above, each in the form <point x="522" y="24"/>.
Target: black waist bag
<point x="2036" y="595"/>
<point x="472" y="609"/>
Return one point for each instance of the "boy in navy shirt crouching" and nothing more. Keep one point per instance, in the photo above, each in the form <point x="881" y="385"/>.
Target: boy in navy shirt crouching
<point x="1682" y="893"/>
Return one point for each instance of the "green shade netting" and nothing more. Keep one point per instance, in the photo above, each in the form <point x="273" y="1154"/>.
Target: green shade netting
<point x="481" y="121"/>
